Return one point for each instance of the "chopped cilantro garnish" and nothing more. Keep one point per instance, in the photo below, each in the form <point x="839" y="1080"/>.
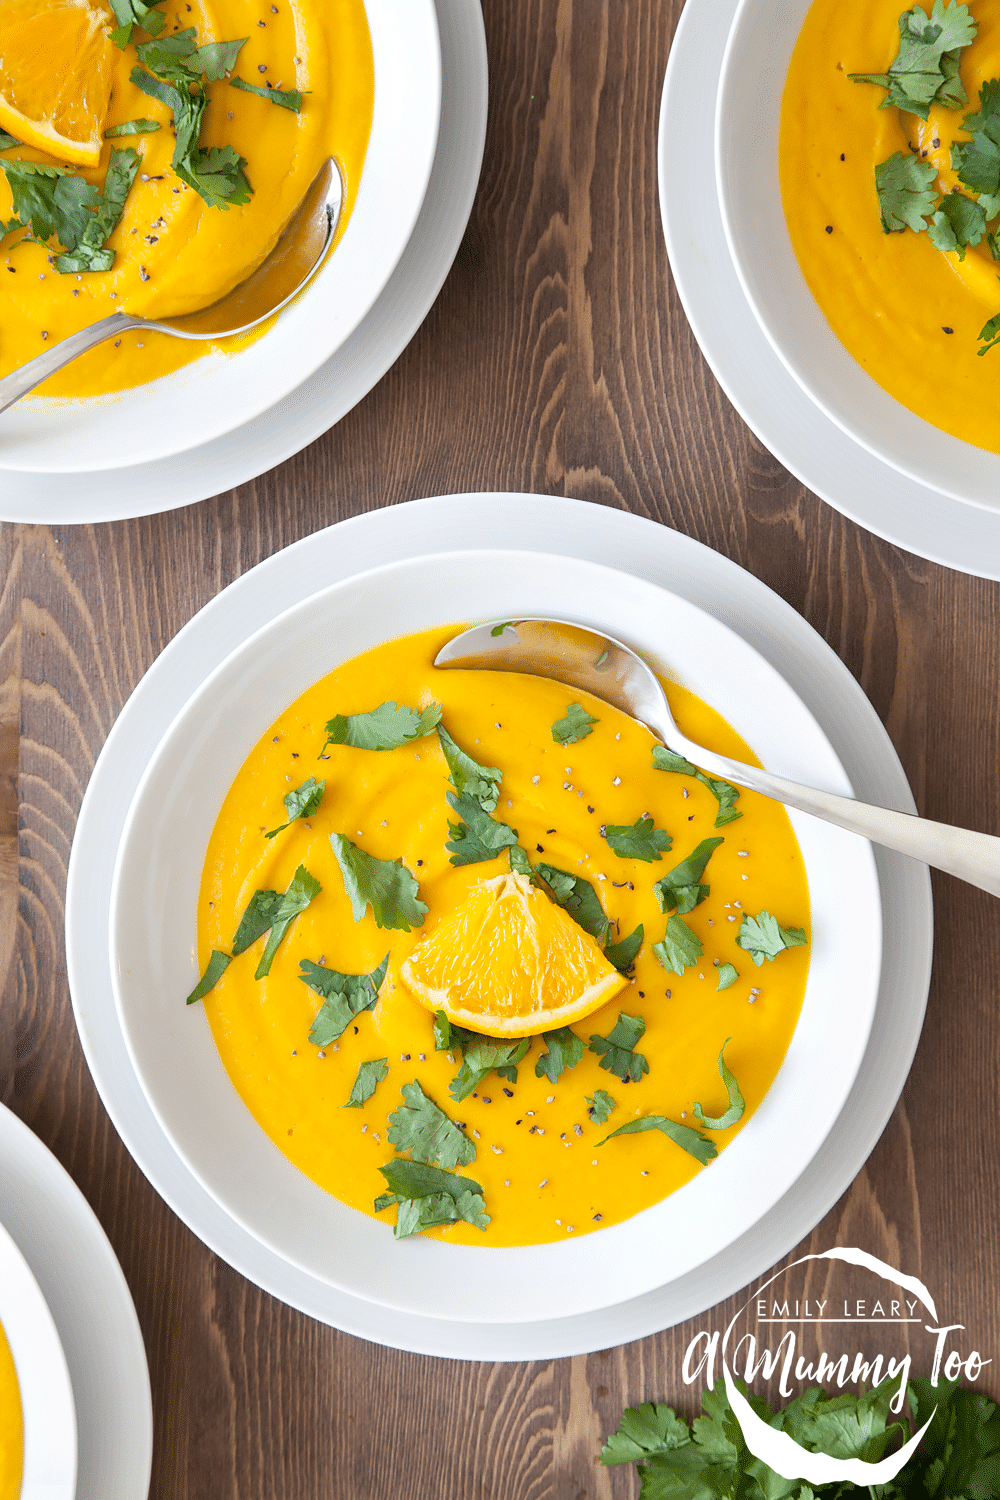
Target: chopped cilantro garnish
<point x="468" y="777"/>
<point x="990" y="332"/>
<point x="344" y="997"/>
<point x="370" y="1075"/>
<point x="177" y="58"/>
<point x="680" y="948"/>
<point x="302" y="889"/>
<point x="427" y="1196"/>
<point x="131" y="127"/>
<point x="601" y="1106"/>
<point x="925" y="69"/>
<point x="623" y="954"/>
<point x="762" y="937"/>
<point x="482" y="1055"/>
<point x="692" y="1141"/>
<point x="958" y="222"/>
<point x="301" y="803"/>
<point x="574" y="726"/>
<point x="617" y="1050"/>
<point x="638" y="840"/>
<point x="256" y="920"/>
<point x="578" y="897"/>
<point x="681" y="888"/>
<point x="564" y="1050"/>
<point x="287" y="98"/>
<point x="728" y="975"/>
<point x="217" y="966"/>
<point x="723" y="791"/>
<point x="8" y="142"/>
<point x="736" y="1104"/>
<point x="129" y="13"/>
<point x="423" y="1129"/>
<point x="476" y="836"/>
<point x="520" y="864"/>
<point x="384" y="728"/>
<point x="54" y="203"/>
<point x="383" y="884"/>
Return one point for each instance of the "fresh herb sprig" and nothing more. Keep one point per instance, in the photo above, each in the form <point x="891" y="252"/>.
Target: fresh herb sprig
<point x="344" y="996"/>
<point x="56" y="204"/>
<point x="925" y="68"/>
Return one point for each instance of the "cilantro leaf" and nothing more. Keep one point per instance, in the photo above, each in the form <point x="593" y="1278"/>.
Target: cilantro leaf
<point x="217" y="966"/>
<point x="51" y="201"/>
<point x="991" y="332"/>
<point x="906" y="196"/>
<point x="638" y="840"/>
<point x="692" y="1141"/>
<point x="578" y="897"/>
<point x="370" y="1075"/>
<point x="477" y="836"/>
<point x="256" y="920"/>
<point x="680" y="948"/>
<point x="216" y="174"/>
<point x="681" y="887"/>
<point x="481" y="1055"/>
<point x="724" y="792"/>
<point x="520" y="864"/>
<point x="442" y="1032"/>
<point x="383" y="884"/>
<point x="565" y="1049"/>
<point x="421" y="1127"/>
<point x="468" y="777"/>
<point x="762" y="937"/>
<point x="736" y="1102"/>
<point x="287" y="98"/>
<point x="129" y="13"/>
<point x="131" y="127"/>
<point x="302" y="889"/>
<point x="7" y="142"/>
<point x="617" y="1050"/>
<point x="959" y="221"/>
<point x="600" y="1106"/>
<point x="574" y="726"/>
<point x="728" y="975"/>
<point x="90" y="253"/>
<point x="344" y="997"/>
<point x="176" y="58"/>
<point x="384" y="728"/>
<point x="645" y="1430"/>
<point x="962" y="1444"/>
<point x="426" y="1197"/>
<point x="977" y="162"/>
<point x="301" y="803"/>
<point x="623" y="954"/>
<point x="925" y="68"/>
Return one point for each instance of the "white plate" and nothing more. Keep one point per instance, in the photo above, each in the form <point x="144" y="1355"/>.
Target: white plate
<point x="769" y="399"/>
<point x="204" y="400"/>
<point x="360" y="362"/>
<point x="154" y="956"/>
<point x="55" y="1230"/>
<point x="46" y="1394"/>
<point x="546" y="524"/>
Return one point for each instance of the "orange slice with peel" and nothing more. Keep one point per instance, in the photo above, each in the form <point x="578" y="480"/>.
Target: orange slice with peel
<point x="55" y="76"/>
<point x="508" y="962"/>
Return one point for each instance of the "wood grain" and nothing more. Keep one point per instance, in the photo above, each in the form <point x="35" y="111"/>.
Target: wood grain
<point x="557" y="359"/>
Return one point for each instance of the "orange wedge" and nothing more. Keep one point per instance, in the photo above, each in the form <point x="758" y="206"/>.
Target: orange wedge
<point x="55" y="76"/>
<point x="510" y="963"/>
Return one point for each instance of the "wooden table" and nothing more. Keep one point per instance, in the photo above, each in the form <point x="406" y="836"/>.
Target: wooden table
<point x="557" y="359"/>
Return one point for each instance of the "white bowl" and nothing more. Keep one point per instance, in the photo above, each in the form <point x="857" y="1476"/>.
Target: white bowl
<point x="46" y="1395"/>
<point x="218" y="393"/>
<point x="154" y="959"/>
<point x="748" y="113"/>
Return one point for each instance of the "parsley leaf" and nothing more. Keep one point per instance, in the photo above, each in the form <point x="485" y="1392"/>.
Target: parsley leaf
<point x="925" y="69"/>
<point x="645" y="1430"/>
<point x="959" y="221"/>
<point x="302" y="889"/>
<point x="724" y="792"/>
<point x="370" y="1075"/>
<point x="384" y="728"/>
<point x="344" y="997"/>
<point x="301" y="803"/>
<point x="638" y="840"/>
<point x="600" y="1106"/>
<point x="481" y="1055"/>
<point x="287" y="98"/>
<point x="421" y="1127"/>
<point x="129" y="13"/>
<point x="565" y="1049"/>
<point x="383" y="884"/>
<point x="574" y="726"/>
<point x="131" y="127"/>
<point x="468" y="777"/>
<point x="680" y="948"/>
<point x="477" y="836"/>
<point x="736" y="1103"/>
<point x="217" y="966"/>
<point x="623" y="954"/>
<point x="906" y="196"/>
<point x="617" y="1050"/>
<point x="692" y="1141"/>
<point x="962" y="1444"/>
<point x="681" y="887"/>
<point x="578" y="897"/>
<point x="728" y="975"/>
<point x="762" y="937"/>
<point x="427" y="1196"/>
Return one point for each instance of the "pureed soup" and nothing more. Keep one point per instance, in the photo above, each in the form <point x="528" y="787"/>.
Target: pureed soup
<point x="173" y="251"/>
<point x="909" y="312"/>
<point x="529" y="1128"/>
<point x="11" y="1425"/>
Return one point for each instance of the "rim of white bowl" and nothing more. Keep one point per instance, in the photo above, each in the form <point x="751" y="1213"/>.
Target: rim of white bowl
<point x="747" y="121"/>
<point x="219" y="392"/>
<point x="232" y="1157"/>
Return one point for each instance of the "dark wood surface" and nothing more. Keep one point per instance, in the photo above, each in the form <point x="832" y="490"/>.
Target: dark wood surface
<point x="557" y="359"/>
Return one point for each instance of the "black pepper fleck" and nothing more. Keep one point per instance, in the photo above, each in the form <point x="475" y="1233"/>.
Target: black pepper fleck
<point x="829" y="229"/>
<point x="356" y="1029"/>
<point x="262" y="67"/>
<point x="947" y="330"/>
<point x="539" y="848"/>
<point x="590" y="809"/>
<point x="509" y="1093"/>
<point x="487" y="1099"/>
<point x="842" y="156"/>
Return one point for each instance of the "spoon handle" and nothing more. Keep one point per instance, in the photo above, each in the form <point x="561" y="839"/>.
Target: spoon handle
<point x="21" y="381"/>
<point x="973" y="857"/>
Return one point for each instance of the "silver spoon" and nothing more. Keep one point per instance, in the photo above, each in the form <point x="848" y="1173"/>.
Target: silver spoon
<point x="600" y="665"/>
<point x="292" y="263"/>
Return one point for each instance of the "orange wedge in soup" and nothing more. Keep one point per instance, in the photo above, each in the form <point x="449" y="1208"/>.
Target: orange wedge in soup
<point x="55" y="76"/>
<point x="508" y="962"/>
